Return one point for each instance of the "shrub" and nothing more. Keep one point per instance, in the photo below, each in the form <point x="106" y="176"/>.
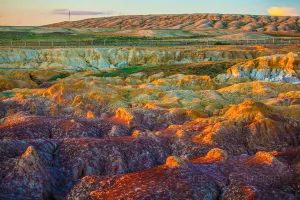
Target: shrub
<point x="221" y="43"/>
<point x="60" y="75"/>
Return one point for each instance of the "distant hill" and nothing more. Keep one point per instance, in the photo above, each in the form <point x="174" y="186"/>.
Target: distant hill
<point x="190" y="22"/>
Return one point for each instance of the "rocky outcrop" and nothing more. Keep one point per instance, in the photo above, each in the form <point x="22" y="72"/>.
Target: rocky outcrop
<point x="252" y="192"/>
<point x="247" y="127"/>
<point x="262" y="185"/>
<point x="155" y="183"/>
<point x="174" y="161"/>
<point x="150" y="119"/>
<point x="103" y="58"/>
<point x="235" y="177"/>
<point x="214" y="155"/>
<point x="275" y="68"/>
<point x="25" y="177"/>
<point x="24" y="127"/>
<point x="257" y="91"/>
<point x="96" y="167"/>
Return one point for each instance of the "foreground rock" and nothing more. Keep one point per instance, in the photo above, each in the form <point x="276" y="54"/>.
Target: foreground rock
<point x="152" y="136"/>
<point x="247" y="127"/>
<point x="197" y="181"/>
<point x="25" y="177"/>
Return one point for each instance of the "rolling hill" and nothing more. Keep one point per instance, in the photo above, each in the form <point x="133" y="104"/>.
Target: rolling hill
<point x="190" y="22"/>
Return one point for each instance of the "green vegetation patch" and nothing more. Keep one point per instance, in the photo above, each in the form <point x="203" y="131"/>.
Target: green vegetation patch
<point x="121" y="72"/>
<point x="34" y="79"/>
<point x="222" y="43"/>
<point x="7" y="94"/>
<point x="60" y="75"/>
<point x="211" y="69"/>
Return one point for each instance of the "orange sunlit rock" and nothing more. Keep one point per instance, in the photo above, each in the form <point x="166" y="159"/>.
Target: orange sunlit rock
<point x="122" y="115"/>
<point x="247" y="110"/>
<point x="173" y="161"/>
<point x="266" y="158"/>
<point x="180" y="133"/>
<point x="30" y="151"/>
<point x="90" y="115"/>
<point x="249" y="192"/>
<point x="208" y="134"/>
<point x="136" y="133"/>
<point x="214" y="155"/>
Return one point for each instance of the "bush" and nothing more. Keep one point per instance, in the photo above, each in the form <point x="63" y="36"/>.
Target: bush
<point x="221" y="43"/>
<point x="60" y="75"/>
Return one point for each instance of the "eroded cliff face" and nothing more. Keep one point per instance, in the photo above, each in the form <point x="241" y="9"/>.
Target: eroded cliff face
<point x="275" y="68"/>
<point x="262" y="175"/>
<point x="142" y="135"/>
<point x="103" y="58"/>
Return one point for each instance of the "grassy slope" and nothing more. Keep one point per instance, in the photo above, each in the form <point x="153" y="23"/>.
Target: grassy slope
<point x="211" y="69"/>
<point x="88" y="34"/>
<point x="74" y="34"/>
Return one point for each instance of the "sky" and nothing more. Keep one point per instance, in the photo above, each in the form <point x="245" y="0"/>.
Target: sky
<point x="41" y="12"/>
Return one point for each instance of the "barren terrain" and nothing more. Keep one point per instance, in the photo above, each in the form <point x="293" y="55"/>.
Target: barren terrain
<point x="193" y="122"/>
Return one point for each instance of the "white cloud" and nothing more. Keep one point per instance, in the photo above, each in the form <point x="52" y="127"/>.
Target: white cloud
<point x="80" y="12"/>
<point x="284" y="11"/>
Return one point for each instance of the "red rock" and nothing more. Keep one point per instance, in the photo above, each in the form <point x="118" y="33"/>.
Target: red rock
<point x="156" y="183"/>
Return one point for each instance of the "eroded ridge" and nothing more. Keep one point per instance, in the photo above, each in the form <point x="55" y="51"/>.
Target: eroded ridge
<point x="152" y="133"/>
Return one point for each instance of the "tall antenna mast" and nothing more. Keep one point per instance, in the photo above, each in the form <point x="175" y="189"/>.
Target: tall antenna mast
<point x="69" y="15"/>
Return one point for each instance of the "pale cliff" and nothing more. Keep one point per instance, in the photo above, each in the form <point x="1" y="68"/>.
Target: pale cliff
<point x="275" y="68"/>
<point x="103" y="58"/>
